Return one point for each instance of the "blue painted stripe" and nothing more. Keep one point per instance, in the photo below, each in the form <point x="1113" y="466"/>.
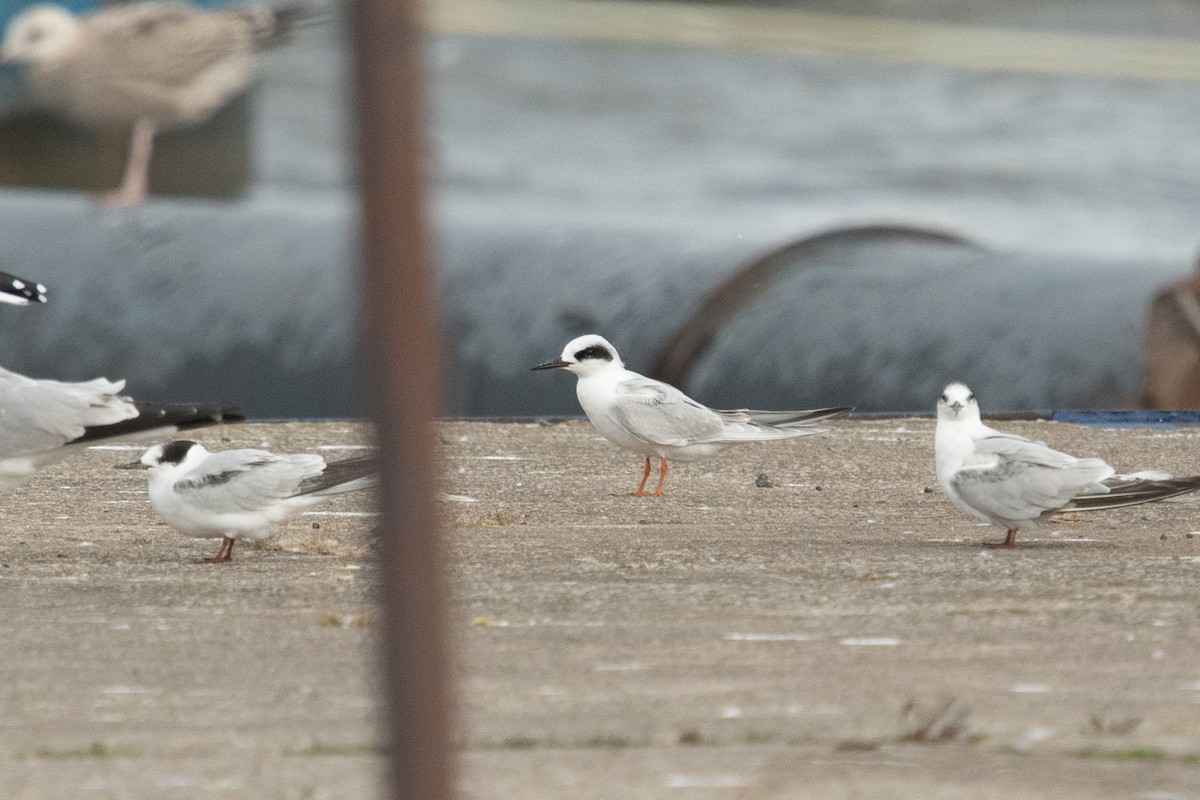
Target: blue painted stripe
<point x="1129" y="419"/>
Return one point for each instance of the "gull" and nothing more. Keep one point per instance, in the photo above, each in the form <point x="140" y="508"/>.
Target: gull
<point x="656" y="419"/>
<point x="43" y="421"/>
<point x="1014" y="482"/>
<point x="20" y="292"/>
<point x="148" y="67"/>
<point x="242" y="494"/>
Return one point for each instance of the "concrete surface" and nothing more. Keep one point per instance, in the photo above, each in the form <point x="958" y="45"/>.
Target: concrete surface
<point x="725" y="641"/>
<point x="131" y="670"/>
<point x="731" y="641"/>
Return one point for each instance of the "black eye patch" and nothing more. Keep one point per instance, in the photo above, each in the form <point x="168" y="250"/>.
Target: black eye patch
<point x="595" y="351"/>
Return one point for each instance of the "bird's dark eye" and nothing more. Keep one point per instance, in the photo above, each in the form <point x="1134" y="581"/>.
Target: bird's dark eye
<point x="971" y="398"/>
<point x="595" y="351"/>
<point x="945" y="399"/>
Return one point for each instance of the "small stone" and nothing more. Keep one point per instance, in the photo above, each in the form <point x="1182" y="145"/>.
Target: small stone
<point x="762" y="481"/>
<point x="1162" y="537"/>
<point x="817" y="487"/>
<point x="316" y="526"/>
<point x="927" y="490"/>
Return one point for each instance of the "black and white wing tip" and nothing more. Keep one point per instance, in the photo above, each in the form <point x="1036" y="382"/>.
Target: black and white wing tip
<point x="342" y="476"/>
<point x="20" y="292"/>
<point x="166" y="418"/>
<point x="1135" y="492"/>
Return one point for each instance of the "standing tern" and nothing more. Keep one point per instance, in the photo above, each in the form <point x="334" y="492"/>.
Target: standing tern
<point x="1015" y="482"/>
<point x="242" y="494"/>
<point x="656" y="419"/>
<point x="148" y="67"/>
<point x="20" y="292"/>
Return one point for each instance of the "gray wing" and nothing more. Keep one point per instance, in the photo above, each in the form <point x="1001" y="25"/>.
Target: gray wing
<point x="1012" y="478"/>
<point x="246" y="480"/>
<point x="40" y="416"/>
<point x="658" y="413"/>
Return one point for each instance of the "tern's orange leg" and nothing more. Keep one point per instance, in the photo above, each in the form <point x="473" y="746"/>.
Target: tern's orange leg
<point x="641" y="490"/>
<point x="662" y="475"/>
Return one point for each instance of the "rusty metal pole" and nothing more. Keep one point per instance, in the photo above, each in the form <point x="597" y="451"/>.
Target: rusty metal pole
<point x="402" y="355"/>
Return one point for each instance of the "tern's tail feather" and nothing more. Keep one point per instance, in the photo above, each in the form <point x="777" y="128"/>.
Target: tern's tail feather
<point x="342" y="476"/>
<point x="785" y="418"/>
<point x="1132" y="493"/>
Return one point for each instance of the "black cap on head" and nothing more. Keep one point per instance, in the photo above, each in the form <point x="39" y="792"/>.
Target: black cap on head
<point x="175" y="452"/>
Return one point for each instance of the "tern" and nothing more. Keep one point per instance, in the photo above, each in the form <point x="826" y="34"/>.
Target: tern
<point x="1014" y="482"/>
<point x="656" y="419"/>
<point x="242" y="494"/>
<point x="148" y="67"/>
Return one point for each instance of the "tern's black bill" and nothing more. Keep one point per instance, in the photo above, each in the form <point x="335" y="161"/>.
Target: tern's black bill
<point x="557" y="363"/>
<point x="131" y="465"/>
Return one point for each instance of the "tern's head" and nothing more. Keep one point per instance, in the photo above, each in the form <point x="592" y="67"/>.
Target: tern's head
<point x="957" y="403"/>
<point x="41" y="33"/>
<point x="587" y="355"/>
<point x="172" y="454"/>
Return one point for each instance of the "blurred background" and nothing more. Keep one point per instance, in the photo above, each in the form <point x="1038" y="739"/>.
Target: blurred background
<point x="770" y="204"/>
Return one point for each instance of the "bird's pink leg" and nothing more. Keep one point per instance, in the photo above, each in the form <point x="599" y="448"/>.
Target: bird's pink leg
<point x="137" y="169"/>
<point x="1010" y="540"/>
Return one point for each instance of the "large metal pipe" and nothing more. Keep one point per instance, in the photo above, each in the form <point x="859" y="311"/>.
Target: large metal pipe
<point x="403" y="362"/>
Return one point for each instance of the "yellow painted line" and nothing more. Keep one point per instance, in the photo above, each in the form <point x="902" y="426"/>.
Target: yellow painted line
<point x="806" y="33"/>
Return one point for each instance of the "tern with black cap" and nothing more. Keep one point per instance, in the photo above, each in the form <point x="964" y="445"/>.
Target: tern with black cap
<point x="242" y="494"/>
<point x="657" y="420"/>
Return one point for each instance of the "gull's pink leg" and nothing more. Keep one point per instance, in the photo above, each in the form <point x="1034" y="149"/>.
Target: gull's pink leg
<point x="134" y="185"/>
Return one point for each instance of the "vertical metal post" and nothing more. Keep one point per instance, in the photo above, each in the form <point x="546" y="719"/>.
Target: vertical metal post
<point x="402" y="356"/>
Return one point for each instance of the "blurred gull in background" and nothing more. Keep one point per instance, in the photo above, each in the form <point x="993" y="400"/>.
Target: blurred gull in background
<point x="145" y="66"/>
